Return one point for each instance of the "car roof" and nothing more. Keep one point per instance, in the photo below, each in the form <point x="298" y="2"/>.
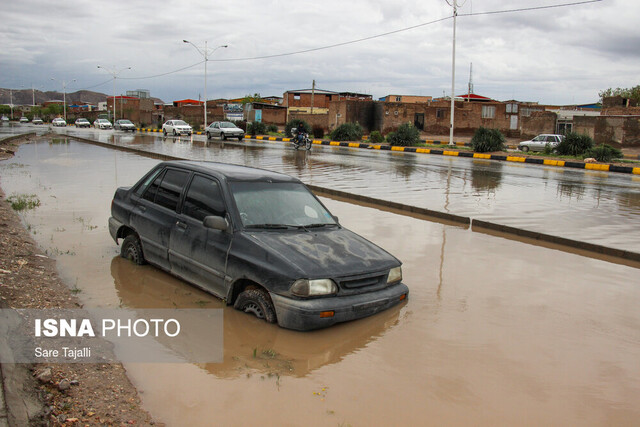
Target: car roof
<point x="231" y="172"/>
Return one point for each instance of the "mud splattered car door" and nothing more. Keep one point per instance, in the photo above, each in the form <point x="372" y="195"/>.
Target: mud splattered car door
<point x="154" y="214"/>
<point x="197" y="253"/>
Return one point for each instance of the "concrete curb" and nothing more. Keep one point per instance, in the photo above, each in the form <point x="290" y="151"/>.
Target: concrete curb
<point x="18" y="136"/>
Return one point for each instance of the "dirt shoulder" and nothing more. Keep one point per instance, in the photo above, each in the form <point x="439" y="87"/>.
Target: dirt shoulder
<point x="53" y="394"/>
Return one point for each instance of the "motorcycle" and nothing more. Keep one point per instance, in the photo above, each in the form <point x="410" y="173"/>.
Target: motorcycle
<point x="304" y="142"/>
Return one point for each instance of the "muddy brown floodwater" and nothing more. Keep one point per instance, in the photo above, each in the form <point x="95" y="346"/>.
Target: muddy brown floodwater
<point x="495" y="332"/>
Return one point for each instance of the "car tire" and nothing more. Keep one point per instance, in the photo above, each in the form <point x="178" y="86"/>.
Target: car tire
<point x="258" y="303"/>
<point x="132" y="249"/>
<point x="175" y="133"/>
<point x="525" y="148"/>
<point x="223" y="136"/>
<point x="208" y="135"/>
<point x="240" y="138"/>
<point x="164" y="132"/>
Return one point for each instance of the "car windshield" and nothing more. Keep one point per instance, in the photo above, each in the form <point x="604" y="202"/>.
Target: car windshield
<point x="125" y="122"/>
<point x="180" y="123"/>
<point x="83" y="121"/>
<point x="278" y="205"/>
<point x="227" y="125"/>
<point x="539" y="138"/>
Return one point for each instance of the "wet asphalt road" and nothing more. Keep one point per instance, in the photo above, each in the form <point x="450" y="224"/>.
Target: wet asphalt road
<point x="590" y="206"/>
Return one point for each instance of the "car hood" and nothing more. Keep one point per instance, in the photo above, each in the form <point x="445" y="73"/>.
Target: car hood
<point x="325" y="253"/>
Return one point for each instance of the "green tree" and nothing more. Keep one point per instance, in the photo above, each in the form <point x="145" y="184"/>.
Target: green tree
<point x="486" y="140"/>
<point x="251" y="98"/>
<point x="407" y="135"/>
<point x="632" y="93"/>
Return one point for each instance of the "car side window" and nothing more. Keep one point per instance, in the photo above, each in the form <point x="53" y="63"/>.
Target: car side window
<point x="168" y="193"/>
<point x="203" y="199"/>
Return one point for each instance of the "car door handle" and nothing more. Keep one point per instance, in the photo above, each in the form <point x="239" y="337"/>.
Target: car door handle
<point x="142" y="208"/>
<point x="182" y="225"/>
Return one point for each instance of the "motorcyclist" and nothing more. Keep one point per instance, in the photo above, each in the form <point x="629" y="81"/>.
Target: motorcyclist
<point x="300" y="132"/>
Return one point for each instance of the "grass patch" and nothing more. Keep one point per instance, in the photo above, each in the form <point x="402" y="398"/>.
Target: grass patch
<point x="21" y="202"/>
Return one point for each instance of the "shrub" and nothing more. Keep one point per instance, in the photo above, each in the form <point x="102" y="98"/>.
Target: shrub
<point x="293" y="123"/>
<point x="406" y="135"/>
<point x="21" y="202"/>
<point x="574" y="144"/>
<point x="604" y="153"/>
<point x="272" y="128"/>
<point x="318" y="132"/>
<point x="486" y="140"/>
<point x="256" y="128"/>
<point x="376" y="137"/>
<point x="347" y="132"/>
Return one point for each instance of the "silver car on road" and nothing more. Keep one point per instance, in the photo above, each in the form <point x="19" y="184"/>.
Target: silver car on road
<point x="224" y="130"/>
<point x="540" y="142"/>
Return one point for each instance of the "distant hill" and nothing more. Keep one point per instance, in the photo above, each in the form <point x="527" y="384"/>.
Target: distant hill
<point x="25" y="97"/>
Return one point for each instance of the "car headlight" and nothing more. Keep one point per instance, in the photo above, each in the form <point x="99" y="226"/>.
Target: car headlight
<point x="307" y="288"/>
<point x="395" y="275"/>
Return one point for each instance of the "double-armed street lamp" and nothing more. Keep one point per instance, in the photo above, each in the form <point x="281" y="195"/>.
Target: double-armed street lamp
<point x="114" y="72"/>
<point x="64" y="96"/>
<point x="205" y="52"/>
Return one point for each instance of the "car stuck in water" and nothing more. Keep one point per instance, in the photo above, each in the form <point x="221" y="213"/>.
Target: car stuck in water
<point x="260" y="240"/>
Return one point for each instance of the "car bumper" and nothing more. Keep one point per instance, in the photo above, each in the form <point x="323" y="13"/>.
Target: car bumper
<point x="304" y="315"/>
<point x="114" y="226"/>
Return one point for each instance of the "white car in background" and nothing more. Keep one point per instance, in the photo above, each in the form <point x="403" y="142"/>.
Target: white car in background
<point x="23" y="119"/>
<point x="176" y="127"/>
<point x="540" y="142"/>
<point x="82" y="123"/>
<point x="102" y="124"/>
<point x="37" y="121"/>
<point x="224" y="130"/>
<point x="58" y="121"/>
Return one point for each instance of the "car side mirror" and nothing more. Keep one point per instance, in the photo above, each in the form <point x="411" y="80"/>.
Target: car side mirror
<point x="216" y="223"/>
<point x="335" y="218"/>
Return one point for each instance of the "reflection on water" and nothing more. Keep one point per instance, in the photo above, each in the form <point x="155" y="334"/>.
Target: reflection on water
<point x="485" y="180"/>
<point x="277" y="350"/>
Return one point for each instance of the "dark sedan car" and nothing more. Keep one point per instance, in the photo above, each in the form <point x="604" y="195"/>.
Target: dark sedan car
<point x="257" y="239"/>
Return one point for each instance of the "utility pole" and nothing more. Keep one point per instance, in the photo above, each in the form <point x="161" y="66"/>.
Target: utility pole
<point x="454" y="4"/>
<point x="313" y="91"/>
<point x="470" y="88"/>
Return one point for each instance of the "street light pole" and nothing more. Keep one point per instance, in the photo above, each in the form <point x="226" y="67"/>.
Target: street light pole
<point x="206" y="53"/>
<point x="64" y="96"/>
<point x="454" y="4"/>
<point x="114" y="72"/>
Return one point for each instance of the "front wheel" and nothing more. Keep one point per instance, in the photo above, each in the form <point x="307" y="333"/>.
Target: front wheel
<point x="164" y="132"/>
<point x="308" y="144"/>
<point x="258" y="303"/>
<point x="208" y="135"/>
<point x="525" y="148"/>
<point x="240" y="138"/>
<point x="175" y="133"/>
<point x="132" y="249"/>
<point x="223" y="136"/>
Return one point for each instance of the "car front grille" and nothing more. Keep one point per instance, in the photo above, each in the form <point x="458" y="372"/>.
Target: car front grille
<point x="363" y="281"/>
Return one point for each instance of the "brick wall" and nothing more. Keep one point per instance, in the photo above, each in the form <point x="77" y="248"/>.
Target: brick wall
<point x="538" y="122"/>
<point x="618" y="131"/>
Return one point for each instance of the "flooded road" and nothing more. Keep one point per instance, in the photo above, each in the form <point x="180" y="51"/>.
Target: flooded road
<point x="495" y="332"/>
<point x="595" y="207"/>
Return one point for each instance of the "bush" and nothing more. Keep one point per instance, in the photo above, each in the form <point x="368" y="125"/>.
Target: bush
<point x="318" y="132"/>
<point x="406" y="135"/>
<point x="574" y="144"/>
<point x="604" y="153"/>
<point x="376" y="137"/>
<point x="272" y="128"/>
<point x="486" y="140"/>
<point x="256" y="128"/>
<point x="293" y="123"/>
<point x="347" y="132"/>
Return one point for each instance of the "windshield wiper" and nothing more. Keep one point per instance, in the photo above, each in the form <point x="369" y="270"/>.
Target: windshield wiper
<point x="270" y="226"/>
<point x="319" y="225"/>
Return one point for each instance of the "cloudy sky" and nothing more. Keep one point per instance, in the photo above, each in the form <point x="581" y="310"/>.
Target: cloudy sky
<point x="560" y="55"/>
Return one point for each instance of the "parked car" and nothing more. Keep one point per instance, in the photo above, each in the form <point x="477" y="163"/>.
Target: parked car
<point x="37" y="121"/>
<point x="224" y="130"/>
<point x="540" y="142"/>
<point x="124" y="125"/>
<point x="58" y="121"/>
<point x="82" y="123"/>
<point x="23" y="119"/>
<point x="176" y="127"/>
<point x="260" y="240"/>
<point x="102" y="124"/>
<point x="4" y="119"/>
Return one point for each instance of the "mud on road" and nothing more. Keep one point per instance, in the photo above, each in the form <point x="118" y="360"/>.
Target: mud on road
<point x="53" y="394"/>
